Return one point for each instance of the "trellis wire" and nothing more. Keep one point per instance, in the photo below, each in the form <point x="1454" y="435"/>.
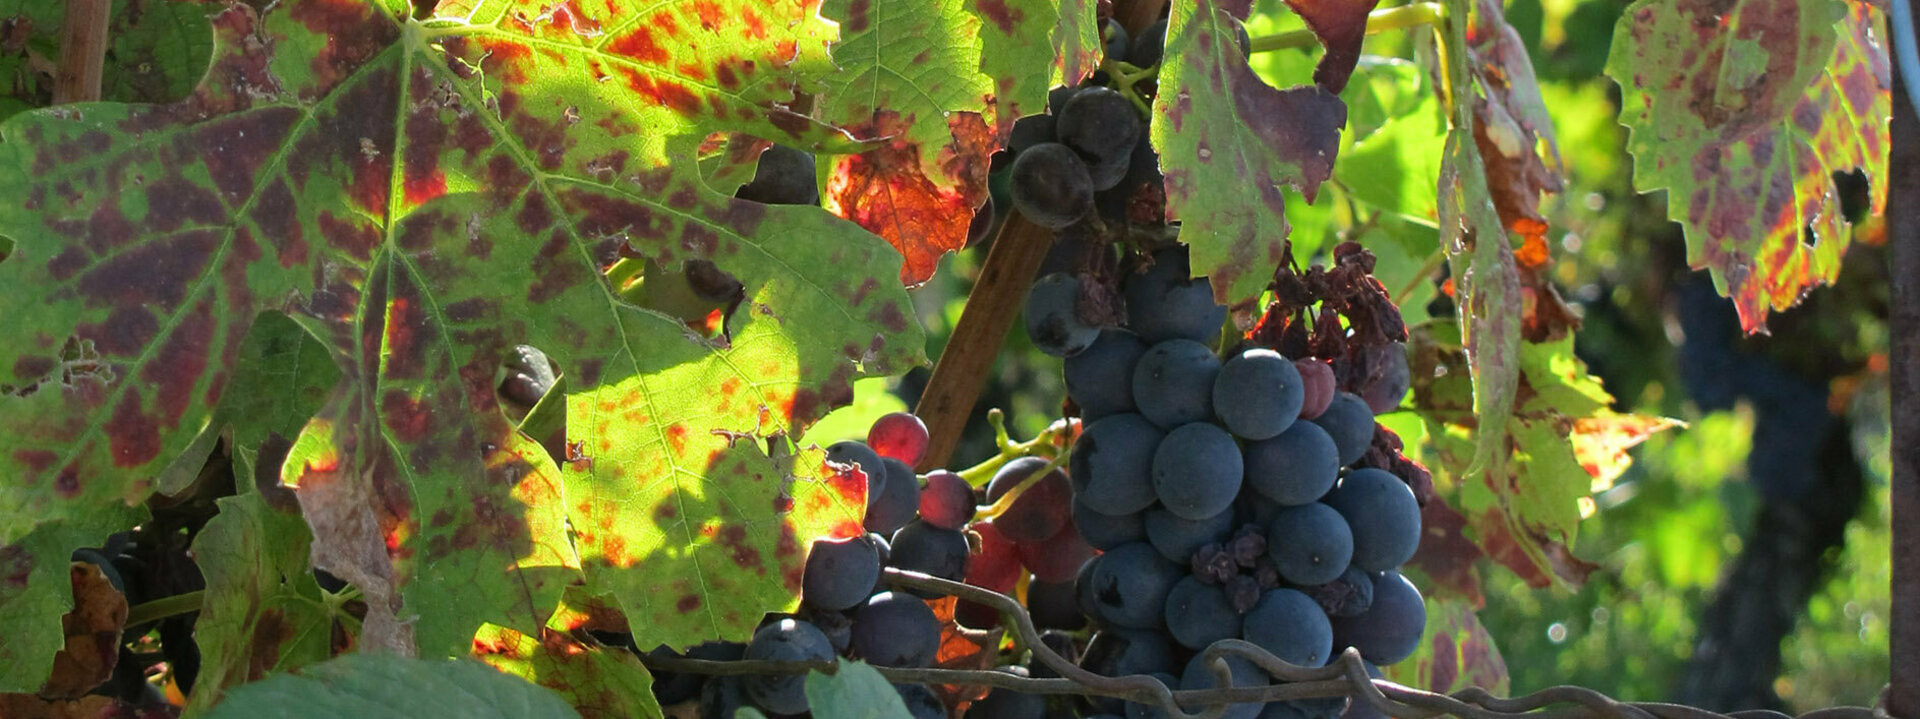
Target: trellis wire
<point x="1346" y="676"/>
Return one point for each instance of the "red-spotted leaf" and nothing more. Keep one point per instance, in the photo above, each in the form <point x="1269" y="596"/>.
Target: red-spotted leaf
<point x="1743" y="113"/>
<point x="1227" y="143"/>
<point x="423" y="197"/>
<point x="1341" y="26"/>
<point x="599" y="683"/>
<point x="910" y="73"/>
<point x="1457" y="652"/>
<point x="1029" y="46"/>
<point x="1511" y="127"/>
<point x="263" y="612"/>
<point x="890" y="192"/>
<point x="36" y="591"/>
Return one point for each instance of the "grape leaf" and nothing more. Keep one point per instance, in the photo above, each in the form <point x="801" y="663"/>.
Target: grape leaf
<point x="1227" y="142"/>
<point x="36" y="591"/>
<point x="378" y="686"/>
<point x="462" y="184"/>
<point x="608" y="683"/>
<point x="1562" y="444"/>
<point x="1458" y="652"/>
<point x="1341" y="26"/>
<point x="855" y="691"/>
<point x="1743" y="112"/>
<point x="1391" y="164"/>
<point x="1511" y="125"/>
<point x="910" y="73"/>
<point x="1026" y="56"/>
<point x="263" y="611"/>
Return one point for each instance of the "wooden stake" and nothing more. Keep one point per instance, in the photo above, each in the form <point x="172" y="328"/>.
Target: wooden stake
<point x="83" y="51"/>
<point x="1903" y="232"/>
<point x="997" y="296"/>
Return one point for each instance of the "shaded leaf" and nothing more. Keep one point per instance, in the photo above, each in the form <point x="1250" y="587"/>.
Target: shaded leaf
<point x="1743" y="113"/>
<point x="378" y="686"/>
<point x="1227" y="143"/>
<point x="1396" y="150"/>
<point x="92" y="630"/>
<point x="854" y="691"/>
<point x="1457" y="653"/>
<point x="597" y="682"/>
<point x="36" y="590"/>
<point x="1341" y="26"/>
<point x="263" y="611"/>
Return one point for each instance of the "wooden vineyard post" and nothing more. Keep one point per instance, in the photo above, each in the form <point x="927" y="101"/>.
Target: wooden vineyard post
<point x="1012" y="264"/>
<point x="1903" y="229"/>
<point x="83" y="51"/>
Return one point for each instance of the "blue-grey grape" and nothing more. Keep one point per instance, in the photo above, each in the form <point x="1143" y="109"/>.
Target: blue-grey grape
<point x="1177" y="537"/>
<point x="1106" y="531"/>
<point x="1291" y="626"/>
<point x="1165" y="303"/>
<point x="1258" y="394"/>
<point x="1198" y="614"/>
<point x="840" y="573"/>
<point x="1173" y="383"/>
<point x="1100" y="378"/>
<point x="1349" y="422"/>
<point x="1242" y="672"/>
<point x="1101" y="125"/>
<point x="899" y="500"/>
<point x="922" y="547"/>
<point x="1391" y="629"/>
<point x="1297" y="467"/>
<point x="1053" y="324"/>
<point x="1050" y="185"/>
<point x="1112" y="464"/>
<point x="1383" y="514"/>
<point x="896" y="630"/>
<point x="1197" y="470"/>
<point x="1129" y="585"/>
<point x="1310" y="544"/>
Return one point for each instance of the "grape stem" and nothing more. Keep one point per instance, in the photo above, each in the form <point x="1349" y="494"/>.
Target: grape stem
<point x="1010" y="450"/>
<point x="1378" y="21"/>
<point x="164" y="607"/>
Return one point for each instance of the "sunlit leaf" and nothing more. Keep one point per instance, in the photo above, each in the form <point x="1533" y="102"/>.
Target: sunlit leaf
<point x="597" y="682"/>
<point x="1744" y="113"/>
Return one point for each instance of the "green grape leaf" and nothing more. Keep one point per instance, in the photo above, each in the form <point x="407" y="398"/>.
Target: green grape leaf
<point x="263" y="611"/>
<point x="378" y="686"/>
<point x="1026" y="56"/>
<point x="1562" y="445"/>
<point x="1743" y="112"/>
<point x="1228" y="142"/>
<point x="462" y="183"/>
<point x="1457" y="652"/>
<point x="35" y="591"/>
<point x="854" y="691"/>
<point x="1392" y="160"/>
<point x="910" y="73"/>
<point x="596" y="682"/>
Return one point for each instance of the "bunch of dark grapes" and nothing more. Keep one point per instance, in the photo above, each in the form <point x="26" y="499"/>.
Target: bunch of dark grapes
<point x="1242" y="494"/>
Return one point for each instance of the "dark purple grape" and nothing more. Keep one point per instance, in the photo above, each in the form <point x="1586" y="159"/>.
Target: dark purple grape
<point x="1050" y="185"/>
<point x="789" y="640"/>
<point x="840" y="573"/>
<point x="1389" y="378"/>
<point x="1113" y="37"/>
<point x="1243" y="673"/>
<point x="1165" y="303"/>
<point x="899" y="499"/>
<point x="1106" y="531"/>
<point x="1317" y="378"/>
<point x="1052" y="318"/>
<point x="1002" y="703"/>
<point x="1176" y="538"/>
<point x="896" y="630"/>
<point x="1297" y="467"/>
<point x="1029" y="131"/>
<point x="1145" y="50"/>
<point x="921" y="701"/>
<point x="1349" y="596"/>
<point x="1130" y="585"/>
<point x="673" y="688"/>
<point x="1054" y="606"/>
<point x="930" y="550"/>
<point x="1102" y="126"/>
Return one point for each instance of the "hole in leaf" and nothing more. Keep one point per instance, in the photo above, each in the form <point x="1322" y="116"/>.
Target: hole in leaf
<point x="701" y="295"/>
<point x="6" y="247"/>
<point x="532" y="392"/>
<point x="1851" y="187"/>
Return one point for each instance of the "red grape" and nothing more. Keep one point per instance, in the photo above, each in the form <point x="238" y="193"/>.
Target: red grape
<point x="1041" y="510"/>
<point x="946" y="501"/>
<point x="996" y="567"/>
<point x="1059" y="558"/>
<point x="1318" y="378"/>
<point x="899" y="435"/>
